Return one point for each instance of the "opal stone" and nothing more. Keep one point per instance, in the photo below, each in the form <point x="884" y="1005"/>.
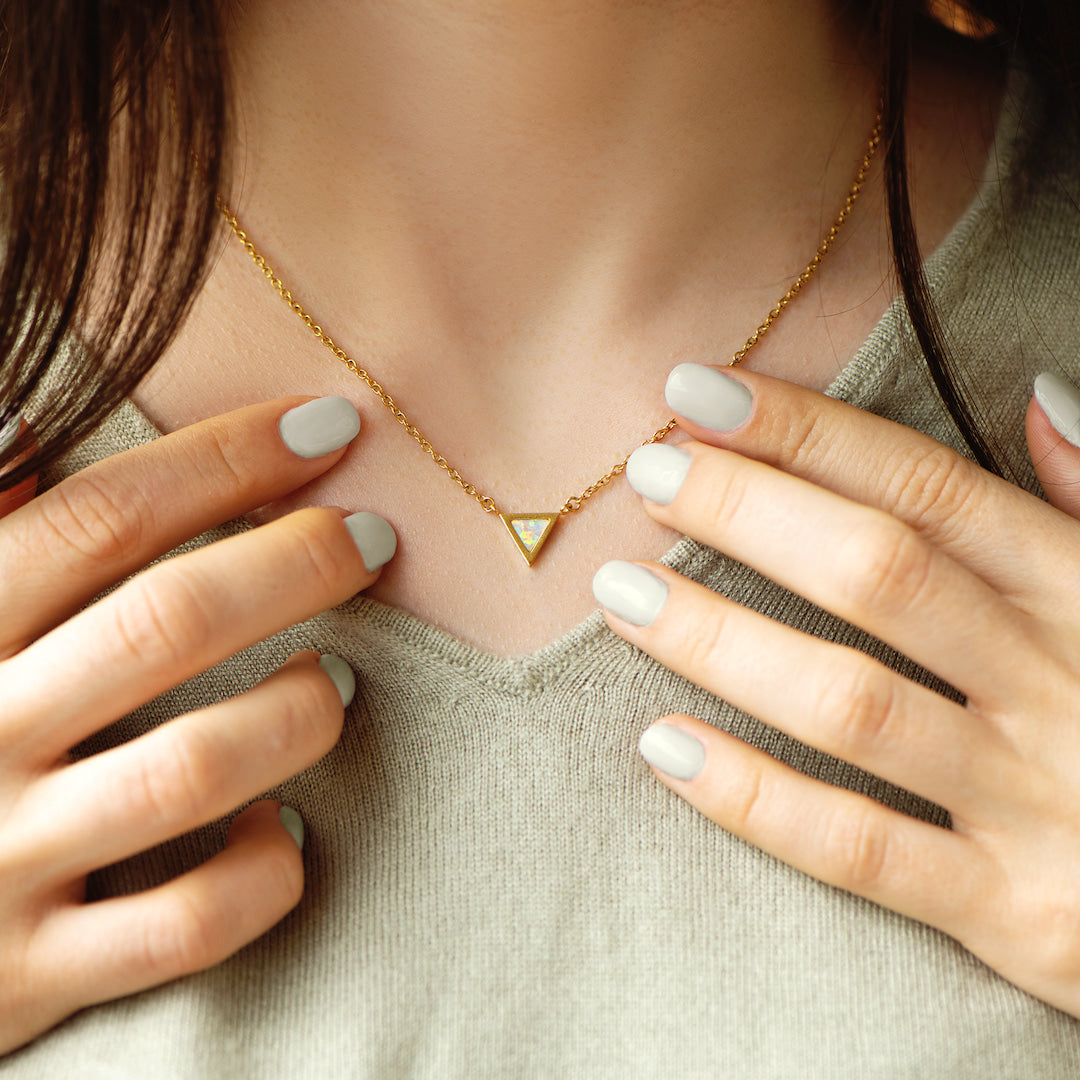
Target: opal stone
<point x="530" y="530"/>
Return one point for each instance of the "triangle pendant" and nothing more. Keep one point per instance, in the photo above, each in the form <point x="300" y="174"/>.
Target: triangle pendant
<point x="529" y="532"/>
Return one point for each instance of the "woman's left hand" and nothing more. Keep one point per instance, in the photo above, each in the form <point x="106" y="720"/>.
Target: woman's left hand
<point x="971" y="577"/>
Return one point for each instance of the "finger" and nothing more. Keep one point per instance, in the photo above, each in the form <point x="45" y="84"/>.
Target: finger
<point x="103" y="523"/>
<point x="19" y="495"/>
<point x="178" y="619"/>
<point x="855" y="561"/>
<point x="840" y="837"/>
<point x="1053" y="438"/>
<point x="179" y="776"/>
<point x="95" y="952"/>
<point x="829" y="696"/>
<point x="943" y="496"/>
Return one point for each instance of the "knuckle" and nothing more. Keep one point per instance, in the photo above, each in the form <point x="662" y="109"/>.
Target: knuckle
<point x="857" y="704"/>
<point x="726" y="497"/>
<point x="284" y="882"/>
<point x="95" y="518"/>
<point x="311" y="716"/>
<point x="162" y="619"/>
<point x="702" y="643"/>
<point x="931" y="487"/>
<point x="1056" y="946"/>
<point x="886" y="567"/>
<point x="186" y="936"/>
<point x="856" y="851"/>
<point x="221" y="463"/>
<point x="183" y="938"/>
<point x="744" y="797"/>
<point x="171" y="789"/>
<point x="800" y="438"/>
<point x="319" y="550"/>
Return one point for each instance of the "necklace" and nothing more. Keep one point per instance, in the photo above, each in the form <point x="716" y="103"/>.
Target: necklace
<point x="529" y="531"/>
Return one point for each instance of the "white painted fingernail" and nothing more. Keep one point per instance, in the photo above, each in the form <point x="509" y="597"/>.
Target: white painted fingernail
<point x="374" y="536"/>
<point x="658" y="471"/>
<point x="9" y="431"/>
<point x="320" y="426"/>
<point x="1060" y="400"/>
<point x="629" y="591"/>
<point x="293" y="823"/>
<point x="342" y="675"/>
<point x="708" y="397"/>
<point x="672" y="751"/>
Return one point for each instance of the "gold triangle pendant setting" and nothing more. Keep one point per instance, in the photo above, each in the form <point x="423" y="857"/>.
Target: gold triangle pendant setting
<point x="529" y="531"/>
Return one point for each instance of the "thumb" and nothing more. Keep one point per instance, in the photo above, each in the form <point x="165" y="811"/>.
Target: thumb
<point x="12" y="498"/>
<point x="1053" y="437"/>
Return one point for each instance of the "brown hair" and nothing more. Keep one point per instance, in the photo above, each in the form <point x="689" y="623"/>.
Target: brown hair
<point x="1048" y="32"/>
<point x="85" y="120"/>
<point x="84" y="88"/>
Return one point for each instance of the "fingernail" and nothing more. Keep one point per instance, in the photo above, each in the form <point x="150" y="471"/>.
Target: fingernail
<point x="374" y="536"/>
<point x="342" y="675"/>
<point x="9" y="431"/>
<point x="320" y="426"/>
<point x="658" y="471"/>
<point x="672" y="751"/>
<point x="708" y="397"/>
<point x="293" y="823"/>
<point x="629" y="591"/>
<point x="1060" y="400"/>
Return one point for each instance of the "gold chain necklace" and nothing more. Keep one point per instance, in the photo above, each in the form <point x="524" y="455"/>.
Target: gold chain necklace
<point x="530" y="531"/>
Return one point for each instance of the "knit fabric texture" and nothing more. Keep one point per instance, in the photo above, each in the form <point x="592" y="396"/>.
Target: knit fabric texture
<point x="497" y="886"/>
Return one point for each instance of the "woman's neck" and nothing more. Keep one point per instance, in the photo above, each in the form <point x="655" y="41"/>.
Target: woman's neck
<point x="502" y="173"/>
<point x="519" y="215"/>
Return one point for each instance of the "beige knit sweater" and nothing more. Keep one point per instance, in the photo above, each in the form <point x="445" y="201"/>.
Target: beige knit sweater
<point x="498" y="887"/>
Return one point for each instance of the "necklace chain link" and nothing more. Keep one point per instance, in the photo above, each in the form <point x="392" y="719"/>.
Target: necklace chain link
<point x="575" y="502"/>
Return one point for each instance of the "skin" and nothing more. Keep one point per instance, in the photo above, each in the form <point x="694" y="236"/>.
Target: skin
<point x="58" y="821"/>
<point x="500" y="166"/>
<point x="927" y="575"/>
<point x="525" y="246"/>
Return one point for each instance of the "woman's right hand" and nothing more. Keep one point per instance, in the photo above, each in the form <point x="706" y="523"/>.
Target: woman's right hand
<point x="66" y="673"/>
